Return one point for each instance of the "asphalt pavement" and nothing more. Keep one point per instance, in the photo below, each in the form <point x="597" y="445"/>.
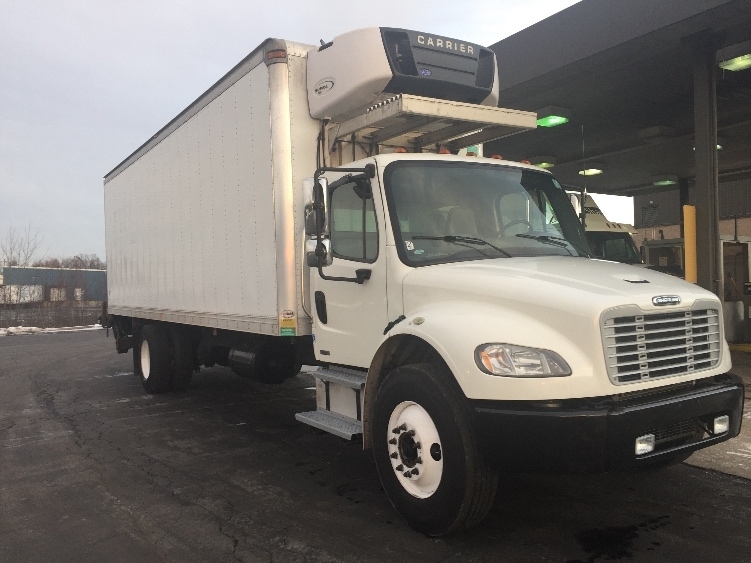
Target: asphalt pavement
<point x="93" y="469"/>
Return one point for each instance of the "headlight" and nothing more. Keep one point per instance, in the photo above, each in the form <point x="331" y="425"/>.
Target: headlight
<point x="519" y="361"/>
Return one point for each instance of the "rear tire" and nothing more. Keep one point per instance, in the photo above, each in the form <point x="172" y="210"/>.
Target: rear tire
<point x="154" y="359"/>
<point x="137" y="352"/>
<point x="184" y="359"/>
<point x="427" y="454"/>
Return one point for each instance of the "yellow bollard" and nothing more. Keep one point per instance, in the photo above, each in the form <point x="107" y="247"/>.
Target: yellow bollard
<point x="689" y="242"/>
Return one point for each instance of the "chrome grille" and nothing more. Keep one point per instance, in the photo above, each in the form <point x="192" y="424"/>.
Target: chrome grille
<point x="652" y="345"/>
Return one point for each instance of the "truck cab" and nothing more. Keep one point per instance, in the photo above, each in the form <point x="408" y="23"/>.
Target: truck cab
<point x="471" y="280"/>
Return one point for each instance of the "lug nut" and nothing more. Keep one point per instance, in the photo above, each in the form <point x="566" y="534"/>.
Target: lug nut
<point x="400" y="467"/>
<point x="394" y="455"/>
<point x="392" y="441"/>
<point x="411" y="433"/>
<point x="418" y="445"/>
<point x="415" y="471"/>
<point x="407" y="474"/>
<point x="418" y="460"/>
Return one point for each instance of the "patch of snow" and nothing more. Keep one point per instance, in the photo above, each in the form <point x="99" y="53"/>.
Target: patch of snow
<point x="16" y="330"/>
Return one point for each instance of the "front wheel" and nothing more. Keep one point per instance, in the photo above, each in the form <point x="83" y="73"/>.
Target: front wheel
<point x="427" y="454"/>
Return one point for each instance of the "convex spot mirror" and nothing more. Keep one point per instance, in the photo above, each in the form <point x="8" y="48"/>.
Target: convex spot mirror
<point x="314" y="251"/>
<point x="363" y="189"/>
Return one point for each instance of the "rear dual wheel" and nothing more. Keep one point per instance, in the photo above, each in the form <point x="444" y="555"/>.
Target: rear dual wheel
<point x="163" y="359"/>
<point x="154" y="359"/>
<point x="427" y="454"/>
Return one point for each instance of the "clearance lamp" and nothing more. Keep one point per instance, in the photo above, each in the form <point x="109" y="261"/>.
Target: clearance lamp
<point x="735" y="57"/>
<point x="552" y="116"/>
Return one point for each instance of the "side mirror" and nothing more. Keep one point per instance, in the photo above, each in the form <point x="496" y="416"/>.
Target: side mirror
<point x="316" y="207"/>
<point x="314" y="252"/>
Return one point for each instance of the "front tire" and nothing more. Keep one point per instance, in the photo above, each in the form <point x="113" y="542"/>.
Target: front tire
<point x="427" y="454"/>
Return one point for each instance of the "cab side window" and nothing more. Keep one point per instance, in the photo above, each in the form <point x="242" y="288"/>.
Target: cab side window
<point x="354" y="230"/>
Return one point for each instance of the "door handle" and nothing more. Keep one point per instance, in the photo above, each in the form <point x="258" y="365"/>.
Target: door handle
<point x="320" y="299"/>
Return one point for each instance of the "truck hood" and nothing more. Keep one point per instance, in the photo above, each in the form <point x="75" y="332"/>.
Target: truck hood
<point x="578" y="286"/>
<point x="554" y="303"/>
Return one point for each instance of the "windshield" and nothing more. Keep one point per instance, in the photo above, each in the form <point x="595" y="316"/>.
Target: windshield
<point x="618" y="247"/>
<point x="451" y="211"/>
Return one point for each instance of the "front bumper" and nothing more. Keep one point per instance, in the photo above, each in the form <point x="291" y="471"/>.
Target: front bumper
<point x="598" y="434"/>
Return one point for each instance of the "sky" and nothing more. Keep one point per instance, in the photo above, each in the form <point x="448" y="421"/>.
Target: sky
<point x="617" y="208"/>
<point x="85" y="83"/>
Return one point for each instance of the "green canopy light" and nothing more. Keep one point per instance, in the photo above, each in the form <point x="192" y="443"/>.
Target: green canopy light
<point x="735" y="57"/>
<point x="543" y="161"/>
<point x="552" y="116"/>
<point x="591" y="169"/>
<point x="590" y="172"/>
<point x="738" y="63"/>
<point x="665" y="180"/>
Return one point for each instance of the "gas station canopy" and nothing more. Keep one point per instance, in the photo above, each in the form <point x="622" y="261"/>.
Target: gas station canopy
<point x="624" y="76"/>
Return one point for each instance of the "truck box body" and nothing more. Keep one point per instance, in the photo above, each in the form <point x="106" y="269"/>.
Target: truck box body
<point x="202" y="221"/>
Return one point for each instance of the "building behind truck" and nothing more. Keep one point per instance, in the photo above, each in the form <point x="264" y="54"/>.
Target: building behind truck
<point x="301" y="211"/>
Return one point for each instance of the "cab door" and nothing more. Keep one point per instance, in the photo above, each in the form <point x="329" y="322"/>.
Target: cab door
<point x="349" y="317"/>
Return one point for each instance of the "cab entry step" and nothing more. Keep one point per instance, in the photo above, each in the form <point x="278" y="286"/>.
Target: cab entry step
<point x="333" y="423"/>
<point x="338" y="401"/>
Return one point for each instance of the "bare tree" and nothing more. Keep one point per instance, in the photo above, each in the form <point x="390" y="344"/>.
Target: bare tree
<point x="83" y="262"/>
<point x="47" y="263"/>
<point x="18" y="246"/>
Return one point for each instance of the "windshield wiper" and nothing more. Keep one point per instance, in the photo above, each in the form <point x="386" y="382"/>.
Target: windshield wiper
<point x="555" y="241"/>
<point x="462" y="239"/>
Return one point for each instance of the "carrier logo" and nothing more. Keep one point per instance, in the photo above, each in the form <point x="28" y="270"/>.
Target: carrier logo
<point x="666" y="300"/>
<point x="425" y="71"/>
<point x="324" y="87"/>
<point x="449" y="44"/>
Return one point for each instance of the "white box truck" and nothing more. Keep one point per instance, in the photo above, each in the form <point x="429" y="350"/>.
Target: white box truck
<point x="608" y="240"/>
<point x="309" y="208"/>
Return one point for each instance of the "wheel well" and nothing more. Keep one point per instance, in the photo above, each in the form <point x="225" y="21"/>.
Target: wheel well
<point x="400" y="350"/>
